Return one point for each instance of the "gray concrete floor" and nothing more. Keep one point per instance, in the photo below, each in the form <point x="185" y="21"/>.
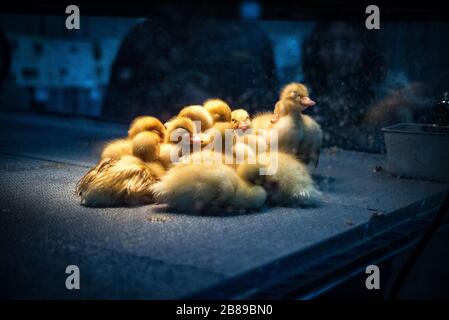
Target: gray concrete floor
<point x="148" y="251"/>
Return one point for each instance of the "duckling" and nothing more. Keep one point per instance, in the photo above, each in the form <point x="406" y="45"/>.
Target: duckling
<point x="246" y="142"/>
<point x="209" y="186"/>
<point x="221" y="115"/>
<point x="297" y="133"/>
<point x="117" y="148"/>
<point x="146" y="123"/>
<point x="198" y="113"/>
<point x="309" y="149"/>
<point x="146" y="146"/>
<point x="126" y="180"/>
<point x="114" y="182"/>
<point x="287" y="181"/>
<point x="240" y="120"/>
<point x="238" y="144"/>
<point x="181" y="139"/>
<point x="242" y="147"/>
<point x="218" y="109"/>
<point x="120" y="147"/>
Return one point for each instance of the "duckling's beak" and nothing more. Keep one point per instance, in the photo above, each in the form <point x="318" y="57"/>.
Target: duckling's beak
<point x="307" y="102"/>
<point x="243" y="126"/>
<point x="195" y="139"/>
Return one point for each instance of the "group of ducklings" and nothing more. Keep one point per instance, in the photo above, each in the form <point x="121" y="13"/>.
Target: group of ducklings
<point x="140" y="168"/>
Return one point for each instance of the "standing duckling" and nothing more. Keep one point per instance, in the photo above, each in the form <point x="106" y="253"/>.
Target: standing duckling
<point x="298" y="134"/>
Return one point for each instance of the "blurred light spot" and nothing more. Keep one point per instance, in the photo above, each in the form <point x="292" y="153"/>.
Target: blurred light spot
<point x="250" y="10"/>
<point x="41" y="95"/>
<point x="95" y="94"/>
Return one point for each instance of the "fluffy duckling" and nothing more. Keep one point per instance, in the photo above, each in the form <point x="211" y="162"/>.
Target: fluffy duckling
<point x="126" y="180"/>
<point x="146" y="146"/>
<point x="218" y="109"/>
<point x="198" y="113"/>
<point x="288" y="182"/>
<point x="209" y="186"/>
<point x="117" y="148"/>
<point x="240" y="146"/>
<point x="297" y="133"/>
<point x="245" y="141"/>
<point x="146" y="123"/>
<point x="240" y="120"/>
<point x="221" y="115"/>
<point x="309" y="149"/>
<point x="181" y="139"/>
<point x="120" y="147"/>
<point x="115" y="182"/>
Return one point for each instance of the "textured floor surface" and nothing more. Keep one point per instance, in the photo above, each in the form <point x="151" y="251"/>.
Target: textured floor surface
<point x="148" y="251"/>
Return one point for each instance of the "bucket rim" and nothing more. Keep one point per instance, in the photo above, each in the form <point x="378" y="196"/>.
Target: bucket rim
<point x="396" y="129"/>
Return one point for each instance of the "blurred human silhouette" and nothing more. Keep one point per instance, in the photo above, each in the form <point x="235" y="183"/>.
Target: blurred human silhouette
<point x="170" y="62"/>
<point x="357" y="93"/>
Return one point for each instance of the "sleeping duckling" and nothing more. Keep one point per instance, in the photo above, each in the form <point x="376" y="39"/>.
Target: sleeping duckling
<point x="209" y="186"/>
<point x="124" y="181"/>
<point x="238" y="143"/>
<point x="198" y="113"/>
<point x="297" y="133"/>
<point x="117" y="148"/>
<point x="221" y="115"/>
<point x="146" y="146"/>
<point x="146" y="123"/>
<point x="218" y="109"/>
<point x="181" y="139"/>
<point x="120" y="147"/>
<point x="287" y="181"/>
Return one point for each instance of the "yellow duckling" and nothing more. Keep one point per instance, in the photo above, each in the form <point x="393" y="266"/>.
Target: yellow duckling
<point x="200" y="114"/>
<point x="298" y="134"/>
<point x="246" y="142"/>
<point x="127" y="180"/>
<point x="120" y="147"/>
<point x="221" y="115"/>
<point x="287" y="181"/>
<point x="114" y="182"/>
<point x="209" y="187"/>
<point x="182" y="138"/>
